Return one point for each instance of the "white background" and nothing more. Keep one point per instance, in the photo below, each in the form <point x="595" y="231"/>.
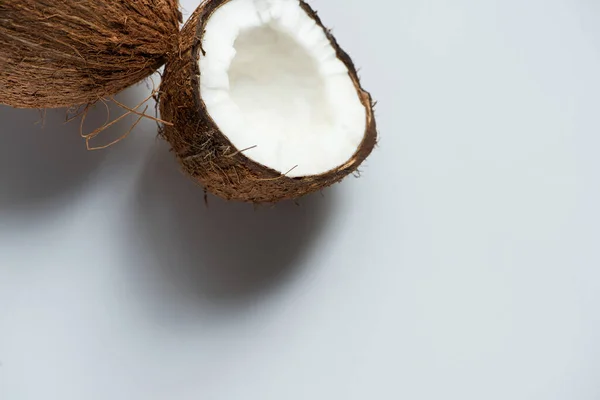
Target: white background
<point x="464" y="264"/>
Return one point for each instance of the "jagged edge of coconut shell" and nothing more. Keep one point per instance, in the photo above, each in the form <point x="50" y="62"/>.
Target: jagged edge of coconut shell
<point x="207" y="155"/>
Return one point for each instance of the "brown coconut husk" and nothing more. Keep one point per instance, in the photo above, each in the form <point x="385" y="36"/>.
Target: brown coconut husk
<point x="208" y="156"/>
<point x="62" y="53"/>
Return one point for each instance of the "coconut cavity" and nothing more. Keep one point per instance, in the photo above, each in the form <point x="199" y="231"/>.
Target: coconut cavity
<point x="61" y="53"/>
<point x="277" y="99"/>
<point x="271" y="107"/>
<point x="271" y="80"/>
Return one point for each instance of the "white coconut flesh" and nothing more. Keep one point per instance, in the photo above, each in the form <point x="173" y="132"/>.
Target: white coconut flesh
<point x="272" y="83"/>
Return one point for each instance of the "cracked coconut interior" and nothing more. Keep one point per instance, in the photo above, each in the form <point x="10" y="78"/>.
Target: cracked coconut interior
<point x="272" y="83"/>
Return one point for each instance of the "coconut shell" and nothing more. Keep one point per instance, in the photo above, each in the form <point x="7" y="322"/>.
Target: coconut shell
<point x="208" y="156"/>
<point x="62" y="53"/>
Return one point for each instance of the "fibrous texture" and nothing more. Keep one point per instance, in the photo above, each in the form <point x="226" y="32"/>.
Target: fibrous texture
<point x="264" y="103"/>
<point x="61" y="53"/>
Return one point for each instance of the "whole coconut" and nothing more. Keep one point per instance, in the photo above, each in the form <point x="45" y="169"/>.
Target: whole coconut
<point x="62" y="53"/>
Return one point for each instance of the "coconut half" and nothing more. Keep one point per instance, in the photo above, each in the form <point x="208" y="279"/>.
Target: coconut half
<point x="61" y="53"/>
<point x="264" y="103"/>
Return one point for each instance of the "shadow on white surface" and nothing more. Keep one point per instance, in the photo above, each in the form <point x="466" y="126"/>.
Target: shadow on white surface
<point x="224" y="255"/>
<point x="42" y="162"/>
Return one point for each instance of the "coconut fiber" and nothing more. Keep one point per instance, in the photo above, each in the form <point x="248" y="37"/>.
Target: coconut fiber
<point x="61" y="53"/>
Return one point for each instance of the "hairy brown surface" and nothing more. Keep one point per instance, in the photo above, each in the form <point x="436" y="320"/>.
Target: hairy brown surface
<point x="207" y="154"/>
<point x="61" y="53"/>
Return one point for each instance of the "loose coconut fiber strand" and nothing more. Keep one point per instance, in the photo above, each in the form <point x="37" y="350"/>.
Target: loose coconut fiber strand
<point x="61" y="53"/>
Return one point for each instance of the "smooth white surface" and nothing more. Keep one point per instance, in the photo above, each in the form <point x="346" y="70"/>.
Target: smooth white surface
<point x="464" y="264"/>
<point x="272" y="82"/>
